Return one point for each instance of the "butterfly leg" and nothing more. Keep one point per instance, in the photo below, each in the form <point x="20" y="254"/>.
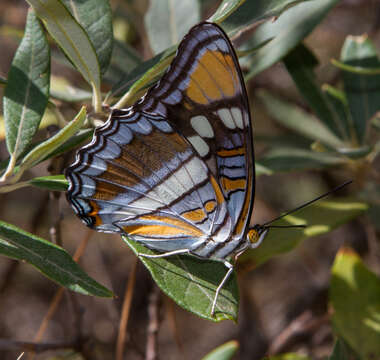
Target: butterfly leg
<point x="230" y="268"/>
<point x="166" y="254"/>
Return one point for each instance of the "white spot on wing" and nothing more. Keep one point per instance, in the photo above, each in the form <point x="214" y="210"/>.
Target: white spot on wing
<point x="202" y="126"/>
<point x="199" y="145"/>
<point x="237" y="115"/>
<point x="226" y="117"/>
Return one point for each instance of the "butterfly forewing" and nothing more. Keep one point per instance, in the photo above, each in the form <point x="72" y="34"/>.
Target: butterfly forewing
<point x="203" y="96"/>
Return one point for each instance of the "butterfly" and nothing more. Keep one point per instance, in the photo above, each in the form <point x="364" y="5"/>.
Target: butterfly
<point x="175" y="171"/>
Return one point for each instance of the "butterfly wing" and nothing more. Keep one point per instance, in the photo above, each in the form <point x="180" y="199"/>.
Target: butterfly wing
<point x="175" y="171"/>
<point x="203" y="96"/>
<point x="140" y="177"/>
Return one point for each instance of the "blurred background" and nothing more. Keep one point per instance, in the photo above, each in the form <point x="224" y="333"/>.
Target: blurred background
<point x="283" y="302"/>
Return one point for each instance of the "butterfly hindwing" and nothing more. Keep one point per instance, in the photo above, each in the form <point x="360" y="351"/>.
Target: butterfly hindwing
<point x="140" y="177"/>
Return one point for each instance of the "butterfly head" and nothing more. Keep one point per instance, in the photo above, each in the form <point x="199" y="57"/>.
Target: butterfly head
<point x="256" y="235"/>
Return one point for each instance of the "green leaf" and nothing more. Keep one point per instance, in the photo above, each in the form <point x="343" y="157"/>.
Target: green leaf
<point x="320" y="218"/>
<point x="338" y="101"/>
<point x="62" y="90"/>
<point x="286" y="32"/>
<point x="288" y="356"/>
<point x="300" y="63"/>
<point x="43" y="150"/>
<point x="70" y="144"/>
<point x="95" y="16"/>
<point x="298" y="120"/>
<point x="53" y="182"/>
<point x="240" y="14"/>
<point x="223" y="352"/>
<point x="73" y="40"/>
<point x="362" y="91"/>
<point x="342" y="352"/>
<point x="51" y="260"/>
<point x="150" y="71"/>
<point x="192" y="282"/>
<point x="355" y="298"/>
<point x="26" y="94"/>
<point x="167" y="21"/>
<point x="225" y="9"/>
<point x="124" y="60"/>
<point x="73" y="142"/>
<point x="295" y="159"/>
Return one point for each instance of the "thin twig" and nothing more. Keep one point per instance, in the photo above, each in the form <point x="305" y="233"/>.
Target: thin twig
<point x="125" y="312"/>
<point x="58" y="295"/>
<point x="55" y="168"/>
<point x="304" y="323"/>
<point x="173" y="324"/>
<point x="153" y="324"/>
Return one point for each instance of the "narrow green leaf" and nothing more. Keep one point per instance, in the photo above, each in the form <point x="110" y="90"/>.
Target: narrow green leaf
<point x="142" y="69"/>
<point x="168" y="21"/>
<point x="288" y="356"/>
<point x="26" y="94"/>
<point x="95" y="16"/>
<point x="338" y="101"/>
<point x="223" y="352"/>
<point x="73" y="142"/>
<point x="356" y="153"/>
<point x="161" y="62"/>
<point x="62" y="90"/>
<point x="300" y="63"/>
<point x="124" y="60"/>
<point x="51" y="260"/>
<point x="293" y="159"/>
<point x="262" y="170"/>
<point x="192" y="282"/>
<point x="286" y="32"/>
<point x="342" y="352"/>
<point x="225" y="9"/>
<point x="53" y="182"/>
<point x="240" y="14"/>
<point x="73" y="40"/>
<point x="362" y="91"/>
<point x="298" y="120"/>
<point x="355" y="298"/>
<point x="43" y="150"/>
<point x="287" y="140"/>
<point x="320" y="218"/>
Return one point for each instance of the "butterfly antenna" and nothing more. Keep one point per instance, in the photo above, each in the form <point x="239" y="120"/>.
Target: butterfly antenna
<point x="302" y="206"/>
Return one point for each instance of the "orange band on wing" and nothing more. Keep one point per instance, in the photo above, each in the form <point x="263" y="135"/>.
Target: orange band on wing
<point x="218" y="192"/>
<point x="231" y="152"/>
<point x="94" y="213"/>
<point x="231" y="185"/>
<point x="198" y="215"/>
<point x="169" y="227"/>
<point x="243" y="220"/>
<point x="194" y="215"/>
